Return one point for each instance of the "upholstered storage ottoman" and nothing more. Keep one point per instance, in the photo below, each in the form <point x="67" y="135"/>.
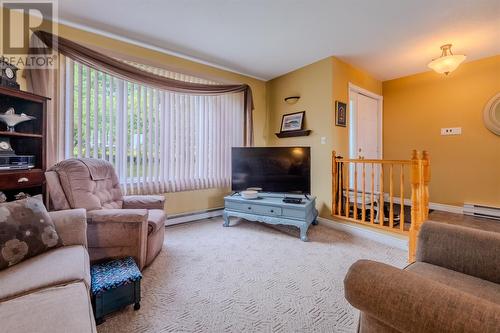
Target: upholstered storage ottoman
<point x="115" y="284"/>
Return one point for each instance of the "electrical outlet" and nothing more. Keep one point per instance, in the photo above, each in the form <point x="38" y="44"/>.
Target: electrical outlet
<point x="451" y="131"/>
<point x="323" y="140"/>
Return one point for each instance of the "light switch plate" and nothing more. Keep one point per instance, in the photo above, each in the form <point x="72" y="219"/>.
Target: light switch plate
<point x="323" y="140"/>
<point x="451" y="131"/>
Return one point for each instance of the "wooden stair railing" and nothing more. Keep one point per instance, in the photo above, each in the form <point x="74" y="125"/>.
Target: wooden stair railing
<point x="365" y="200"/>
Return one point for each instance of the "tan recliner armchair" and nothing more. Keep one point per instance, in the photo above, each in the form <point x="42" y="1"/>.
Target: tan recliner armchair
<point x="453" y="286"/>
<point x="118" y="225"/>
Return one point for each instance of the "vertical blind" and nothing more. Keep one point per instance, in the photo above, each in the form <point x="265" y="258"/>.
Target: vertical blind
<point x="158" y="141"/>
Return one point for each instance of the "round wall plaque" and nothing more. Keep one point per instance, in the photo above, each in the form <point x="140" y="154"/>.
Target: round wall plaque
<point x="491" y="114"/>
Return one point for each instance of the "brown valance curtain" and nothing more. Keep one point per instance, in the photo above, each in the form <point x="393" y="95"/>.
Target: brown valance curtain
<point x="109" y="65"/>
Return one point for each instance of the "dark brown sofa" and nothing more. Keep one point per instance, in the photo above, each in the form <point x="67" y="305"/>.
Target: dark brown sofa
<point x="454" y="285"/>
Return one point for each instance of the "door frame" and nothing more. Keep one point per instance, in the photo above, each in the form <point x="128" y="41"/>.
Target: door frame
<point x="380" y="99"/>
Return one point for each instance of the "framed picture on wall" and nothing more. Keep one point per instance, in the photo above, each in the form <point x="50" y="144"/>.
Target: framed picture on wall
<point x="340" y="114"/>
<point x="292" y="121"/>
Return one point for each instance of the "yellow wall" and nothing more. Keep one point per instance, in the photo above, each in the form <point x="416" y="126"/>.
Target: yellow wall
<point x="194" y="201"/>
<point x="313" y="84"/>
<point x="343" y="73"/>
<point x="319" y="85"/>
<point x="464" y="168"/>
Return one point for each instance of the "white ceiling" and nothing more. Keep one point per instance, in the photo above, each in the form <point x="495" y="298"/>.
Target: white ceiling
<point x="268" y="38"/>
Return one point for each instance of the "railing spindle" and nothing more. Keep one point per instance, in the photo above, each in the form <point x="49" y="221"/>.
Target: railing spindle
<point x="363" y="212"/>
<point x="401" y="190"/>
<point x="381" y="207"/>
<point x="346" y="208"/>
<point x="355" y="201"/>
<point x="334" y="183"/>
<point x="391" y="195"/>
<point x="372" y="194"/>
<point x="425" y="184"/>
<point x="340" y="187"/>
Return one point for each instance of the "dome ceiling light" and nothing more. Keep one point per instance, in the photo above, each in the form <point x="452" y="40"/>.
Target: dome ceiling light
<point x="447" y="62"/>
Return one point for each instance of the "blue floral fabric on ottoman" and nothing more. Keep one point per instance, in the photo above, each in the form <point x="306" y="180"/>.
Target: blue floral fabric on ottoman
<point x="110" y="275"/>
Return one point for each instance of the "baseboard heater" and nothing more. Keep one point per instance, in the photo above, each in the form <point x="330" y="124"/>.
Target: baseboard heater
<point x="194" y="216"/>
<point x="482" y="211"/>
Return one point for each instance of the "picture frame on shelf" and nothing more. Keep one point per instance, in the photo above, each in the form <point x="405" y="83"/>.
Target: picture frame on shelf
<point x="292" y="121"/>
<point x="340" y="114"/>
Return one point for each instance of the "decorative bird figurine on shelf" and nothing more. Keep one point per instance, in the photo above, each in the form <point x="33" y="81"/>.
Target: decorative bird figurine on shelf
<point x="11" y="119"/>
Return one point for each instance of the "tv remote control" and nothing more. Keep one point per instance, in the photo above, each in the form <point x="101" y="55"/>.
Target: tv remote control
<point x="292" y="200"/>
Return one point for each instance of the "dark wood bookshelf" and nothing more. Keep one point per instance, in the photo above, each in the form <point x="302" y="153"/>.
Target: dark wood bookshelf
<point x="29" y="138"/>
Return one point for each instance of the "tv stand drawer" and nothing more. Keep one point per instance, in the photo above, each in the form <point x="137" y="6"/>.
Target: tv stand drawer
<point x="254" y="208"/>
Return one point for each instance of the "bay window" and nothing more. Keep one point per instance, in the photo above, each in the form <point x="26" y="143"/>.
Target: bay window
<point x="158" y="141"/>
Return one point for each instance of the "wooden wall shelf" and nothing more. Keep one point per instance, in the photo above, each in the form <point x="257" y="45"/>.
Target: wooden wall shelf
<point x="20" y="135"/>
<point x="290" y="134"/>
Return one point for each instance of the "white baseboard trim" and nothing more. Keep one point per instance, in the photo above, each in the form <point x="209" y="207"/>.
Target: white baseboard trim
<point x="389" y="240"/>
<point x="194" y="216"/>
<point x="432" y="205"/>
<point x="446" y="208"/>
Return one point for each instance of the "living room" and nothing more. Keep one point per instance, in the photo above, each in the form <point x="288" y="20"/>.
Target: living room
<point x="258" y="169"/>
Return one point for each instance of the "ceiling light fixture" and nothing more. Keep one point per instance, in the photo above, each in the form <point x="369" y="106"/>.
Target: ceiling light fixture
<point x="447" y="62"/>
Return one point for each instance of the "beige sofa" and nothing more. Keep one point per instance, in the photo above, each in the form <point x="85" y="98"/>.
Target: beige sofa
<point x="118" y="225"/>
<point x="454" y="286"/>
<point x="50" y="292"/>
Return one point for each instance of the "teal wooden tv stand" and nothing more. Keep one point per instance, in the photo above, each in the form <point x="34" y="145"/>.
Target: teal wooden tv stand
<point x="270" y="208"/>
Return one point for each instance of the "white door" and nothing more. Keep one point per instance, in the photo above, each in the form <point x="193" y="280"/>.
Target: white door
<point x="365" y="137"/>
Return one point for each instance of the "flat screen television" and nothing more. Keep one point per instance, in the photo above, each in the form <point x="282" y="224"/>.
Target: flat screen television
<point x="274" y="169"/>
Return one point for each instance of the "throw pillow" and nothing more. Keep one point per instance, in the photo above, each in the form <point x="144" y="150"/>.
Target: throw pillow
<point x="26" y="230"/>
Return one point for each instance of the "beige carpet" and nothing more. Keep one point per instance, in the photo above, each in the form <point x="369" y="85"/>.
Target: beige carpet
<point x="249" y="278"/>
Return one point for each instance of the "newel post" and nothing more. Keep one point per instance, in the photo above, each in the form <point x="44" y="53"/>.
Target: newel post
<point x="420" y="178"/>
<point x="416" y="207"/>
<point x="334" y="182"/>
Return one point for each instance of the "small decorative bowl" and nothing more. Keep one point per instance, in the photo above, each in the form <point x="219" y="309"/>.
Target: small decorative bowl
<point x="249" y="194"/>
